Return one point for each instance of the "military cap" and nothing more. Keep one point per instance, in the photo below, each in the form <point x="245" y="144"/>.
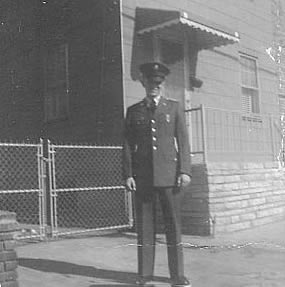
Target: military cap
<point x="155" y="71"/>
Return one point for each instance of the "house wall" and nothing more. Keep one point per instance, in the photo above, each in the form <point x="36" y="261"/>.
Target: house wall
<point x="21" y="108"/>
<point x="228" y="197"/>
<point x="218" y="68"/>
<point x="223" y="196"/>
<point x="92" y="31"/>
<point x="93" y="36"/>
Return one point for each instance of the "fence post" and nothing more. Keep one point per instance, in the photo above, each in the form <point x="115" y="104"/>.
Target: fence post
<point x="52" y="187"/>
<point x="130" y="208"/>
<point x="43" y="190"/>
<point x="204" y="133"/>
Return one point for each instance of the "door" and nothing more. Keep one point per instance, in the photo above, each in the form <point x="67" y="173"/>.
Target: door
<point x="172" y="54"/>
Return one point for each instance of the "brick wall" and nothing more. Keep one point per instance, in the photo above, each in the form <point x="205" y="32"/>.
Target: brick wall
<point x="8" y="256"/>
<point x="227" y="197"/>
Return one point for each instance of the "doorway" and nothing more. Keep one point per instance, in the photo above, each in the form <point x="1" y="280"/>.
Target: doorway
<point x="172" y="54"/>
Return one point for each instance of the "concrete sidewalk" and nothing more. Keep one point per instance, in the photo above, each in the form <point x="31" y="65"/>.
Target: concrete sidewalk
<point x="248" y="258"/>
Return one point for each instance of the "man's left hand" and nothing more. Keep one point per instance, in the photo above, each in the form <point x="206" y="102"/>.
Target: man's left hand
<point x="183" y="180"/>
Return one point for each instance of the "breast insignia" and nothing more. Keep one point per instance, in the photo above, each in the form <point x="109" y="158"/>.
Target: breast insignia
<point x="168" y="118"/>
<point x="171" y="99"/>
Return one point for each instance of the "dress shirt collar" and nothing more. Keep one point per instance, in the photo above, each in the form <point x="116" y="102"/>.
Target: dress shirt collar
<point x="156" y="100"/>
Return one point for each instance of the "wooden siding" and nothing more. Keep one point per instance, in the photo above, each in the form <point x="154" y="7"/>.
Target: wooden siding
<point x="218" y="68"/>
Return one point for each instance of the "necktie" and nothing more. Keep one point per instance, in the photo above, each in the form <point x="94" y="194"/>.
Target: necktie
<point x="152" y="105"/>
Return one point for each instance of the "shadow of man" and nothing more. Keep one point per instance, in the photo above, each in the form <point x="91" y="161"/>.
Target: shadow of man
<point x="61" y="267"/>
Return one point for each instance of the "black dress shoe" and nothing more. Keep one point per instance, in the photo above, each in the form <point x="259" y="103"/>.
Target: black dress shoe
<point x="181" y="282"/>
<point x="144" y="281"/>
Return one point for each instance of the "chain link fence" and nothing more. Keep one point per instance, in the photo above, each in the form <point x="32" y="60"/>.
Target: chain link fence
<point x="21" y="186"/>
<point x="86" y="191"/>
<point x="76" y="189"/>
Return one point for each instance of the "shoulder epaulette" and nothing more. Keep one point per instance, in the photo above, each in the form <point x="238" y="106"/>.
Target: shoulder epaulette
<point x="136" y="104"/>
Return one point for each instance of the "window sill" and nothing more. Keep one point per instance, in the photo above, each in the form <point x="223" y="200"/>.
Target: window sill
<point x="256" y="118"/>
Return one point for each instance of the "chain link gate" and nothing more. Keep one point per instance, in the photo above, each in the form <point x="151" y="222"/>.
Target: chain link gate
<point x="22" y="186"/>
<point x="85" y="189"/>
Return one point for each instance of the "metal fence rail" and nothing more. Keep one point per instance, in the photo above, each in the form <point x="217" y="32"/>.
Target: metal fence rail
<point x="21" y="186"/>
<point x="223" y="135"/>
<point x="86" y="191"/>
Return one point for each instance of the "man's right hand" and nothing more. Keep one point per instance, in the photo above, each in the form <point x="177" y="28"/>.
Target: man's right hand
<point x="131" y="184"/>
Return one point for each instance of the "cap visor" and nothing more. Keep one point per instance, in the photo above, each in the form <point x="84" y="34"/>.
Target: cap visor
<point x="157" y="79"/>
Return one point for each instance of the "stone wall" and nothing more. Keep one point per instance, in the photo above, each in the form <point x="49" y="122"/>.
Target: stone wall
<point x="227" y="197"/>
<point x="8" y="256"/>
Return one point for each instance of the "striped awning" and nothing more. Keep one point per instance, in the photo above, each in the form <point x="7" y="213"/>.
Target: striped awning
<point x="173" y="25"/>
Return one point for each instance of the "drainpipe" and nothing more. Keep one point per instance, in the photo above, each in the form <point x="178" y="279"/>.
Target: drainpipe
<point x="100" y="111"/>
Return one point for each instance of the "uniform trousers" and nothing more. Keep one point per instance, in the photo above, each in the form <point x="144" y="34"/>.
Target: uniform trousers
<point x="145" y="203"/>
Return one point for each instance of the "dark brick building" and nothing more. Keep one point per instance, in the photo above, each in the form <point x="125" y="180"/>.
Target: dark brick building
<point x="61" y="71"/>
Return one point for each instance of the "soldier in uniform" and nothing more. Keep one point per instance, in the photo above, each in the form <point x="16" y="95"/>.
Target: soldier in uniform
<point x="156" y="165"/>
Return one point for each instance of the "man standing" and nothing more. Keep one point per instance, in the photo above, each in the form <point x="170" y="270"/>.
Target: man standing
<point x="156" y="164"/>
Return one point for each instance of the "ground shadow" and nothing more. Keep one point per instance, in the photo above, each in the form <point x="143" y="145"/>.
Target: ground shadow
<point x="127" y="234"/>
<point x="61" y="267"/>
<point x="115" y="285"/>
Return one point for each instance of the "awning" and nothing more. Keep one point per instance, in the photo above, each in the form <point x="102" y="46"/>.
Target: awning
<point x="173" y="24"/>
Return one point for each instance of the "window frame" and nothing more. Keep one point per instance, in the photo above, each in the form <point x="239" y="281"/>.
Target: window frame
<point x="281" y="96"/>
<point x="248" y="87"/>
<point x="48" y="117"/>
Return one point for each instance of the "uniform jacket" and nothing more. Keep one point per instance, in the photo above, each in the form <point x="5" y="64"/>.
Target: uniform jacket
<point x="156" y="147"/>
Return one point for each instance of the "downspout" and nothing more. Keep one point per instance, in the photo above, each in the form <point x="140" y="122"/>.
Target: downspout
<point x="102" y="59"/>
<point x="129" y="199"/>
<point x="122" y="55"/>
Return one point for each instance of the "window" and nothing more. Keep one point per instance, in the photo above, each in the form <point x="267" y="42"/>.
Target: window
<point x="249" y="85"/>
<point x="56" y="82"/>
